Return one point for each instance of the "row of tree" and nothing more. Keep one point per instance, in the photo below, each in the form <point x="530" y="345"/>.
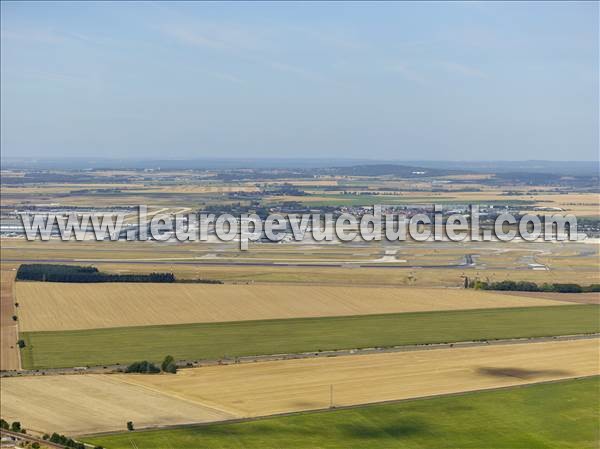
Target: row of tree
<point x="80" y="274"/>
<point x="168" y="365"/>
<point x="54" y="438"/>
<point x="15" y="426"/>
<point x="526" y="286"/>
<point x="65" y="441"/>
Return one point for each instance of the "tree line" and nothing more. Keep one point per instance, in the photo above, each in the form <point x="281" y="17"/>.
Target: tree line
<point x="168" y="365"/>
<point x="80" y="274"/>
<point x="526" y="286"/>
<point x="54" y="438"/>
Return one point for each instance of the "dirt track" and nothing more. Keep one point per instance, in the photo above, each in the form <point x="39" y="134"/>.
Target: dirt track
<point x="57" y="306"/>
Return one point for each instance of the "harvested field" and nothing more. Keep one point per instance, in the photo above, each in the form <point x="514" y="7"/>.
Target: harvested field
<point x="245" y="338"/>
<point x="578" y="298"/>
<point x="502" y="419"/>
<point x="92" y="403"/>
<point x="9" y="352"/>
<point x="47" y="306"/>
<point x="283" y="386"/>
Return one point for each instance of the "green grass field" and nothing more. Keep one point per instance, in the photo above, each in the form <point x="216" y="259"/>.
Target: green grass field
<point x="556" y="415"/>
<point x="216" y="340"/>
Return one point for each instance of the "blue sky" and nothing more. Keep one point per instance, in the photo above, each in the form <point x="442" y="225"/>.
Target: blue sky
<point x="456" y="81"/>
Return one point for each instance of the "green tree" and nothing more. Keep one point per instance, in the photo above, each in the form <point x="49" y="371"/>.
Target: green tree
<point x="166" y="362"/>
<point x="143" y="367"/>
<point x="130" y="425"/>
<point x="168" y="365"/>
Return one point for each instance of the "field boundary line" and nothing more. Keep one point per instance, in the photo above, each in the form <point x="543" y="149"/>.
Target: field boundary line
<point x="342" y="407"/>
<point x="171" y="394"/>
<point x="14" y="300"/>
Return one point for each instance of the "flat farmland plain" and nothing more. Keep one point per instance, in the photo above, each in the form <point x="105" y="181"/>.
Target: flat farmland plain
<point x="247" y="338"/>
<point x="47" y="306"/>
<point x="9" y="352"/>
<point x="77" y="404"/>
<point x="294" y="385"/>
<point x="94" y="403"/>
<point x="561" y="414"/>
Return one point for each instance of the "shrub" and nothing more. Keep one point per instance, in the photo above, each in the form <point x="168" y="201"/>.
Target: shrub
<point x="168" y="365"/>
<point x="567" y="288"/>
<point x="130" y="425"/>
<point x="592" y="288"/>
<point x="525" y="286"/>
<point x="142" y="367"/>
<point x="65" y="441"/>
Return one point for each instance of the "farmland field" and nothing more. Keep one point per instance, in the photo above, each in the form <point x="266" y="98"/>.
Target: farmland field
<point x="217" y="340"/>
<point x="47" y="306"/>
<point x="254" y="389"/>
<point x="9" y="352"/>
<point x="524" y="417"/>
<point x="93" y="403"/>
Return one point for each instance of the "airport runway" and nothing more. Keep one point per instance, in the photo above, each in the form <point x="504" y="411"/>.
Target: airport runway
<point x="468" y="262"/>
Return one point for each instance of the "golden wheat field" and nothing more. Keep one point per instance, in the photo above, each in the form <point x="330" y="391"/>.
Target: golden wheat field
<point x="77" y="404"/>
<point x="9" y="329"/>
<point x="100" y="402"/>
<point x="292" y="385"/>
<point x="58" y="306"/>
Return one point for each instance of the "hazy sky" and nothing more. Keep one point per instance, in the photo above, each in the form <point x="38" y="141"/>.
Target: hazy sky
<point x="395" y="81"/>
